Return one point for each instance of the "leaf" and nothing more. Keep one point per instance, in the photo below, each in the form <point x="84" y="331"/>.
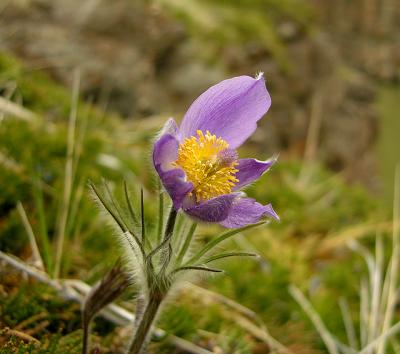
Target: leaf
<point x="228" y="254"/>
<point x="160" y="213"/>
<point x="142" y="216"/>
<point x="215" y="242"/>
<point x="130" y="207"/>
<point x="108" y="208"/>
<point x="116" y="217"/>
<point x="206" y="269"/>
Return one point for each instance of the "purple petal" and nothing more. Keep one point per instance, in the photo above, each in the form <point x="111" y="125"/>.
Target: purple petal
<point x="164" y="154"/>
<point x="229" y="110"/>
<point x="170" y="127"/>
<point x="246" y="211"/>
<point x="212" y="210"/>
<point x="251" y="169"/>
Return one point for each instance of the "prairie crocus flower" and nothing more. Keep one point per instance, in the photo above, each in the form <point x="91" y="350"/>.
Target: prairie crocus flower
<point x="198" y="163"/>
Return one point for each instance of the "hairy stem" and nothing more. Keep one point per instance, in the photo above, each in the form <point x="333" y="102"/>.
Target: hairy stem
<point x="156" y="295"/>
<point x="140" y="341"/>
<point x="86" y="336"/>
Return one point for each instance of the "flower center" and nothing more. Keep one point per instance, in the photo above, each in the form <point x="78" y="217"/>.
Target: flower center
<point x="209" y="164"/>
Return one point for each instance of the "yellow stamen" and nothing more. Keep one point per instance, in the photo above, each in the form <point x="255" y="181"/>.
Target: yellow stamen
<point x="199" y="158"/>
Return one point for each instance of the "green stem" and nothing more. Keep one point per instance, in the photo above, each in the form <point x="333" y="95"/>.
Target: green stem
<point x="156" y="296"/>
<point x="140" y="341"/>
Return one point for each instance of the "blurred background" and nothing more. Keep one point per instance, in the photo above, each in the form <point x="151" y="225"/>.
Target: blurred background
<point x="336" y="60"/>
<point x="333" y="71"/>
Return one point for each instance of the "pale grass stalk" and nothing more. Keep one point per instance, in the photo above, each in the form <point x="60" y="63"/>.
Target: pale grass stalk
<point x="364" y="299"/>
<point x="394" y="264"/>
<point x="7" y="94"/>
<point x="68" y="177"/>
<point x="385" y="291"/>
<point x="378" y="296"/>
<point x="240" y="314"/>
<point x="10" y="108"/>
<point x="21" y="335"/>
<point x="73" y="225"/>
<point x="206" y="294"/>
<point x="11" y="165"/>
<point x="383" y="338"/>
<point x="38" y="262"/>
<point x="375" y="298"/>
<point x="313" y="134"/>
<point x="29" y="270"/>
<point x="366" y="254"/>
<point x="261" y="334"/>
<point x="348" y="323"/>
<point x="376" y="286"/>
<point x="339" y="239"/>
<point x="80" y="138"/>
<point x="326" y="336"/>
<point x="366" y="289"/>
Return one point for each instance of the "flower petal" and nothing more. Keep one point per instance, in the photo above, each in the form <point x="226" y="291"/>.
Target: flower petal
<point x="213" y="210"/>
<point x="170" y="127"/>
<point x="229" y="110"/>
<point x="246" y="211"/>
<point x="251" y="169"/>
<point x="164" y="154"/>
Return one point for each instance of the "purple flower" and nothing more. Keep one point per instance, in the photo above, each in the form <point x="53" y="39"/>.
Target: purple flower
<point x="198" y="163"/>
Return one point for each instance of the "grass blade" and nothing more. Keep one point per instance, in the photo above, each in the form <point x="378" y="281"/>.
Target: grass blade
<point x="348" y="323"/>
<point x="32" y="240"/>
<point x="68" y="177"/>
<point x="116" y="217"/>
<point x="130" y="207"/>
<point x="43" y="231"/>
<point x="326" y="336"/>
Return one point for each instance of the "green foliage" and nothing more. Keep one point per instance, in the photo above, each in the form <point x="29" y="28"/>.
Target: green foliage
<point x="216" y="24"/>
